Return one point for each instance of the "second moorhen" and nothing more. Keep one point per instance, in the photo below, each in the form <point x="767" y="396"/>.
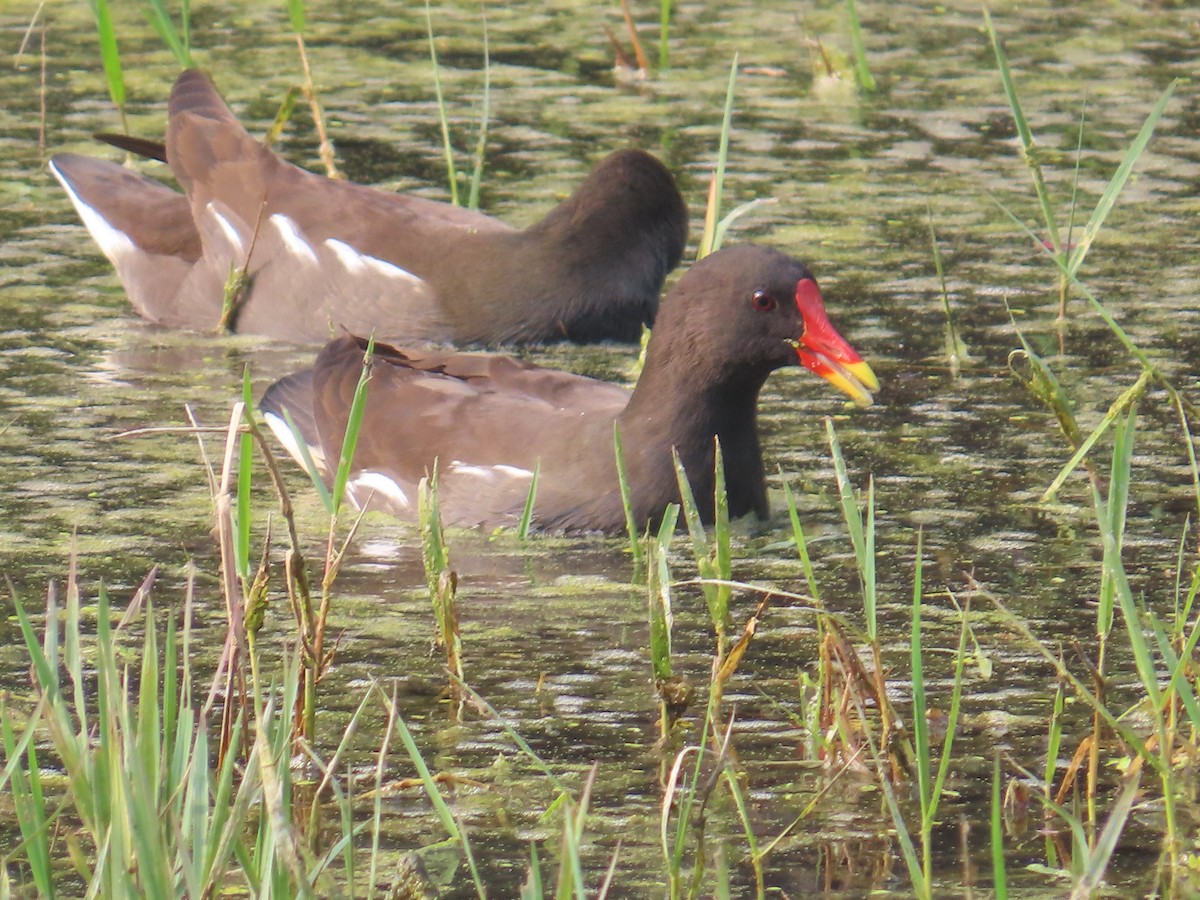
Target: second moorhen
<point x="326" y="257"/>
<point x="490" y="421"/>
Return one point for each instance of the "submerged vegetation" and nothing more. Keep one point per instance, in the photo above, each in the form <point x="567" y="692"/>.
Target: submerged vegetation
<point x="142" y="764"/>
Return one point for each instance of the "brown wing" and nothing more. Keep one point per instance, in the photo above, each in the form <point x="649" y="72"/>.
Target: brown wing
<point x="487" y="421"/>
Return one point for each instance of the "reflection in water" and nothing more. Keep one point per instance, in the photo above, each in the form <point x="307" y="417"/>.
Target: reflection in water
<point x="553" y="635"/>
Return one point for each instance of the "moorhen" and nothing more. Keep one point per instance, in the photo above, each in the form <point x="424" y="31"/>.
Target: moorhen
<point x="489" y="420"/>
<point x="327" y="257"/>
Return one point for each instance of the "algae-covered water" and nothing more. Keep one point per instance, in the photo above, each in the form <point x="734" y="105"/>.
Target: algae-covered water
<point x="554" y="635"/>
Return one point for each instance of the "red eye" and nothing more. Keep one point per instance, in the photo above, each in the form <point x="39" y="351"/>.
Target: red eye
<point x="762" y="301"/>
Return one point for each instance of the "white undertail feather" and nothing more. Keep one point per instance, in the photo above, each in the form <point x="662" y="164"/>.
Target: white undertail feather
<point x="113" y="243"/>
<point x="362" y="485"/>
<point x="284" y="434"/>
<point x="236" y="245"/>
<point x="290" y="234"/>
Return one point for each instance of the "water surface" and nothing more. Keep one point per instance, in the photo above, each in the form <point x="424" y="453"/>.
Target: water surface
<point x="854" y="179"/>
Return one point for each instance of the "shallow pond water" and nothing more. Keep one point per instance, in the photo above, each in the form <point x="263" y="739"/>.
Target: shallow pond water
<point x="554" y="636"/>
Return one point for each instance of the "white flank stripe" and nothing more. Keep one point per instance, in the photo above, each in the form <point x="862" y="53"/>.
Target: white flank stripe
<point x="357" y="263"/>
<point x="231" y="234"/>
<point x="347" y="256"/>
<point x="293" y="239"/>
<point x="112" y="243"/>
<point x="513" y="471"/>
<point x="488" y="473"/>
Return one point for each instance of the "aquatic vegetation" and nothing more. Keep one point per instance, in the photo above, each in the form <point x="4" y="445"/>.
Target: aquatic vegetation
<point x="442" y="579"/>
<point x="297" y="17"/>
<point x="110" y="57"/>
<point x="862" y="69"/>
<point x="956" y="348"/>
<point x="178" y="39"/>
<point x="715" y="226"/>
<point x="1069" y="254"/>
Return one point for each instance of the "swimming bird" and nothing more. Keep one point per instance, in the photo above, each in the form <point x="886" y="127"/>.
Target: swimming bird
<point x="490" y="421"/>
<point x="324" y="257"/>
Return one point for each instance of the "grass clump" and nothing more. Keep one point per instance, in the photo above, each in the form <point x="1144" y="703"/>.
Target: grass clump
<point x="1068" y="255"/>
<point x="142" y="808"/>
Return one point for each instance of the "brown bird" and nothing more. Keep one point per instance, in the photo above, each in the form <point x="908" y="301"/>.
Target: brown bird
<point x="490" y="421"/>
<point x="325" y="257"/>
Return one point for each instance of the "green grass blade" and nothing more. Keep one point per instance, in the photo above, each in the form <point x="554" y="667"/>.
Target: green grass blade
<point x="1114" y="568"/>
<point x="73" y="653"/>
<point x="862" y="70"/>
<point x="723" y="552"/>
<point x="170" y="700"/>
<point x="358" y="407"/>
<point x="712" y="214"/>
<point x="150" y="733"/>
<point x="700" y="549"/>
<point x="736" y="213"/>
<point x="1106" y="844"/>
<point x="50" y="642"/>
<point x="110" y="57"/>
<point x="631" y="524"/>
<point x="919" y="721"/>
<point x="956" y="348"/>
<point x="449" y="823"/>
<point x="16" y="749"/>
<point x="241" y="544"/>
<point x="514" y="736"/>
<point x="377" y="805"/>
<point x="309" y="465"/>
<point x="1119" y="407"/>
<point x="296" y="16"/>
<point x="533" y="889"/>
<point x="999" y="872"/>
<point x="868" y="563"/>
<point x="1074" y="207"/>
<point x="440" y="578"/>
<point x="907" y="850"/>
<point x="526" y="522"/>
<point x="484" y="114"/>
<point x="185" y="27"/>
<point x="177" y="43"/>
<point x="1126" y="341"/>
<point x="664" y="35"/>
<point x="228" y="821"/>
<point x="21" y="777"/>
<point x="434" y="553"/>
<point x="952" y="716"/>
<point x="1177" y="684"/>
<point x="730" y="776"/>
<point x="691" y="512"/>
<point x="1109" y="198"/>
<point x="658" y="584"/>
<point x="862" y="539"/>
<point x="801" y="544"/>
<point x="1026" y="135"/>
<point x="447" y="147"/>
<point x="1054" y="736"/>
<point x="570" y="871"/>
<point x="283" y="115"/>
<point x="195" y="818"/>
